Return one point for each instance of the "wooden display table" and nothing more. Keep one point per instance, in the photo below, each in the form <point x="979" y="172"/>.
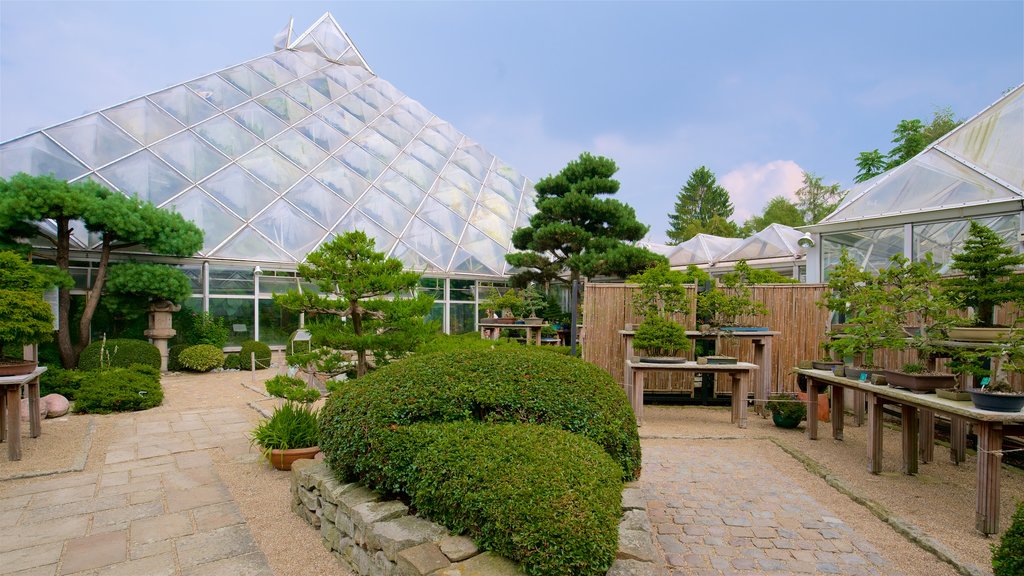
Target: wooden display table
<point x="989" y="426"/>
<point x="739" y="374"/>
<point x="492" y="330"/>
<point x="10" y="409"/>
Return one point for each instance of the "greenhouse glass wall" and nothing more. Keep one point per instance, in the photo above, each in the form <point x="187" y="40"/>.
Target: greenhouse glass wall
<point x="976" y="172"/>
<point x="273" y="157"/>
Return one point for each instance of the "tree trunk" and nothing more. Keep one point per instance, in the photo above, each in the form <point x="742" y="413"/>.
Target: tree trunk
<point x="92" y="300"/>
<point x="357" y="329"/>
<point x="68" y="358"/>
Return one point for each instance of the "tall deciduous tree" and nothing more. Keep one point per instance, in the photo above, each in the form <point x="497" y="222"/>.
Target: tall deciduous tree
<point x="869" y="165"/>
<point x="366" y="300"/>
<point x="578" y="230"/>
<point x="119" y="221"/>
<point x="816" y="200"/>
<point x="909" y="138"/>
<point x="698" y="203"/>
<point x="778" y="210"/>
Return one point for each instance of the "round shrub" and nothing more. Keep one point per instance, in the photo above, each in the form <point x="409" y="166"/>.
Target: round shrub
<point x="59" y="381"/>
<point x="291" y="388"/>
<point x="119" y="353"/>
<point x="201" y="358"/>
<point x="502" y="385"/>
<point x="543" y="497"/>
<point x="1008" y="555"/>
<point x="262" y="355"/>
<point x="119" y="390"/>
<point x="232" y="361"/>
<point x="172" y="357"/>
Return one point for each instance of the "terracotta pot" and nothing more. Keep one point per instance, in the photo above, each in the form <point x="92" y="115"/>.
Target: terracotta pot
<point x="921" y="383"/>
<point x="12" y="367"/>
<point x="282" y="459"/>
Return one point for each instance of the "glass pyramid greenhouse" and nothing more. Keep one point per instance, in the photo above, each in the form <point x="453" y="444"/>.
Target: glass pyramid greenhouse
<point x="276" y="155"/>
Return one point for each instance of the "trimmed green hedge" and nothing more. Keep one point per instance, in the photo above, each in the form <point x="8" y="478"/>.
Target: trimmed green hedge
<point x="262" y="355"/>
<point x="1008" y="555"/>
<point x="172" y="357"/>
<point x="543" y="497"/>
<point x="291" y="388"/>
<point x="59" y="381"/>
<point x="232" y="361"/>
<point x="201" y="358"/>
<point x="119" y="353"/>
<point x="119" y="390"/>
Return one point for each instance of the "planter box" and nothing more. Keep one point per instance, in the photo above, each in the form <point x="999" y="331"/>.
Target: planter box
<point x="978" y="334"/>
<point x="829" y="365"/>
<point x="922" y="383"/>
<point x="951" y="394"/>
<point x="16" y="368"/>
<point x="997" y="402"/>
<point x="720" y="359"/>
<point x="854" y="372"/>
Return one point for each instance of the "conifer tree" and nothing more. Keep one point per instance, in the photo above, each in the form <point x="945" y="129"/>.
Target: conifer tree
<point x="987" y="264"/>
<point x="700" y="205"/>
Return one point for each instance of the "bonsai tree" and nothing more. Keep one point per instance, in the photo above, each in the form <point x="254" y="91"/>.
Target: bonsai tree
<point x="662" y="295"/>
<point x="505" y="302"/>
<point x="533" y="300"/>
<point x="844" y="282"/>
<point x="722" y="308"/>
<point x="912" y="294"/>
<point x="870" y="325"/>
<point x="25" y="318"/>
<point x="988" y="280"/>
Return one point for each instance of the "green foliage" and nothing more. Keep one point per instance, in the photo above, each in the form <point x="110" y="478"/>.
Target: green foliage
<point x="132" y="287"/>
<point x="702" y="204"/>
<point x="869" y="165"/>
<point x="912" y="294"/>
<point x="291" y="389"/>
<point x="913" y="368"/>
<point x="323" y="362"/>
<point x="501" y="301"/>
<point x="172" y="357"/>
<point x="459" y="342"/>
<point x="787" y="406"/>
<point x="719" y="307"/>
<point x="663" y="294"/>
<point x="232" y="361"/>
<point x="576" y="229"/>
<point x="119" y="353"/>
<point x="536" y="495"/>
<point x="201" y="328"/>
<point x="533" y="300"/>
<point x="201" y="358"/>
<point x="910" y="138"/>
<point x="370" y="292"/>
<point x="119" y="390"/>
<point x="844" y="283"/>
<point x="744" y="273"/>
<point x="63" y="382"/>
<point x="816" y="200"/>
<point x="987" y="264"/>
<point x="250" y="347"/>
<point x="659" y="336"/>
<point x="25" y="318"/>
<point x="1008" y="555"/>
<point x="292" y="425"/>
<point x="778" y="210"/>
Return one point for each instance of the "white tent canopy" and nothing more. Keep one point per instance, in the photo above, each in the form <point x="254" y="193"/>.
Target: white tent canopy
<point x="774" y="247"/>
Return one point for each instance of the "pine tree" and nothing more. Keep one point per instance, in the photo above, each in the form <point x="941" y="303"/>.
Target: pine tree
<point x="988" y="280"/>
<point x="698" y="203"/>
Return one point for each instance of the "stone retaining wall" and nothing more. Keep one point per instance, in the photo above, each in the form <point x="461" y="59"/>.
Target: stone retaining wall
<point x="378" y="537"/>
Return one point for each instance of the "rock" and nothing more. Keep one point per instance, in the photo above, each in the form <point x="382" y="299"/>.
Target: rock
<point x="394" y="536"/>
<point x="422" y="559"/>
<point x="458" y="548"/>
<point x="56" y="405"/>
<point x="24" y="409"/>
<point x="486" y="564"/>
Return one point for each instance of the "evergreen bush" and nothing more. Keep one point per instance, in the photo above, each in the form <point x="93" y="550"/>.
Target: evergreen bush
<point x="232" y="361"/>
<point x="262" y="355"/>
<point x="201" y="358"/>
<point x="172" y="357"/>
<point x="1008" y="555"/>
<point x="118" y="353"/>
<point x="59" y="381"/>
<point x="119" y="390"/>
<point x="292" y="389"/>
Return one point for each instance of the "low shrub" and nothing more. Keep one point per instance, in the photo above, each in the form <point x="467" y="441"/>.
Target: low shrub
<point x="119" y="390"/>
<point x="786" y="405"/>
<point x="59" y="381"/>
<point x="203" y="328"/>
<point x="291" y="388"/>
<point x="118" y="353"/>
<point x="201" y="358"/>
<point x="232" y="361"/>
<point x="261" y="350"/>
<point x="292" y="425"/>
<point x="1008" y="555"/>
<point x="534" y="494"/>
<point x="172" y="357"/>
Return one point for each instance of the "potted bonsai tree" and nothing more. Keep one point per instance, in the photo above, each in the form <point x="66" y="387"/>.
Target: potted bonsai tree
<point x="662" y="295"/>
<point x="869" y="328"/>
<point x="987" y="266"/>
<point x="533" y="300"/>
<point x="844" y="282"/>
<point x="787" y="410"/>
<point x="722" y="309"/>
<point x="505" y="302"/>
<point x="999" y="395"/>
<point x="25" y="318"/>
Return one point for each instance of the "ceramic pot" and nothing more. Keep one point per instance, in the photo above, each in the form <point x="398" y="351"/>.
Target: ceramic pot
<point x="782" y="421"/>
<point x="829" y="365"/>
<point x="283" y="459"/>
<point x="953" y="394"/>
<point x="997" y="402"/>
<point x="921" y="383"/>
<point x="11" y="367"/>
<point x="663" y="360"/>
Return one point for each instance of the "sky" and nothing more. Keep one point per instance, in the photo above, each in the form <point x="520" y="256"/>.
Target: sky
<point x="758" y="92"/>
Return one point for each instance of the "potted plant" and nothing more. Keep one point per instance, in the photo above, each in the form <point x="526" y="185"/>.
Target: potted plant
<point x="25" y="317"/>
<point x="533" y="300"/>
<point x="291" y="433"/>
<point x="987" y="265"/>
<point x="999" y="395"/>
<point x="661" y="296"/>
<point x="787" y="410"/>
<point x="826" y="363"/>
<point x="505" y="302"/>
<point x="869" y="327"/>
<point x="845" y="280"/>
<point x="721" y="310"/>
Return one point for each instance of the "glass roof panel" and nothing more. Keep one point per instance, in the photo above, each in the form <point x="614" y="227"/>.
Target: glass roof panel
<point x="396" y="134"/>
<point x="495" y="203"/>
<point x="144" y="174"/>
<point x="373" y="98"/>
<point x="449" y="195"/>
<point x="37" y="154"/>
<point x="272" y="71"/>
<point x="485" y="250"/>
<point x="323" y="84"/>
<point x="478" y="152"/>
<point x="289" y="228"/>
<point x="283" y="107"/>
<point x="347" y="76"/>
<point x="467" y="263"/>
<point x="341" y="120"/>
<point x="356" y="220"/>
<point x="248" y="245"/>
<point x="446" y="130"/>
<point x="429" y="243"/>
<point x="321" y="134"/>
<point x="330" y="39"/>
<point x="305" y="95"/>
<point x="400" y="189"/>
<point x="184" y="105"/>
<point x="190" y="155"/>
<point x="437" y="141"/>
<point x="412" y="260"/>
<point x="403" y="118"/>
<point x="357" y="108"/>
<point x="215" y="222"/>
<point x="298" y="149"/>
<point x="420" y="151"/>
<point x="257" y="120"/>
<point x="385" y="211"/>
<point x="943" y="239"/>
<point x="361" y="161"/>
<point x="503" y="187"/>
<point x="318" y="202"/>
<point x="509" y="173"/>
<point x="94" y="139"/>
<point x="447" y="222"/>
<point x="461" y="180"/>
<point x="227" y="136"/>
<point x="144" y="120"/>
<point x="416" y="109"/>
<point x="249" y="82"/>
<point x="379" y="146"/>
<point x="415" y="171"/>
<point x="271" y="168"/>
<point x="490" y="224"/>
<point x="293" y="62"/>
<point x="239" y="191"/>
<point x="992" y="140"/>
<point x="386" y="89"/>
<point x="217" y="91"/>
<point x="470" y="164"/>
<point x="342" y="180"/>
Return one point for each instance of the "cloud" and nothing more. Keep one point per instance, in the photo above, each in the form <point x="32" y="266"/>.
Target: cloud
<point x="751" y="186"/>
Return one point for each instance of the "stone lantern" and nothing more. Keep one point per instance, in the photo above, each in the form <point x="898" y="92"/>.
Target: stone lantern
<point x="160" y="330"/>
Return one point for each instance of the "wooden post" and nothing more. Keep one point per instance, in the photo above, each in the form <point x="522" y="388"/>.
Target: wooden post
<point x="858" y="408"/>
<point x="926" y="419"/>
<point x="874" y="433"/>
<point x="838" y="407"/>
<point x="957" y="439"/>
<point x="812" y="409"/>
<point x="910" y="439"/>
<point x="739" y="389"/>
<point x="637" y="400"/>
<point x="990" y="444"/>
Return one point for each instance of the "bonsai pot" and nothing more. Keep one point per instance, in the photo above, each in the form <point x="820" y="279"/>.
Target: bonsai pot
<point x="283" y="459"/>
<point x="854" y="372"/>
<point x="533" y="321"/>
<point x="16" y="367"/>
<point x="997" y="402"/>
<point x="720" y="359"/>
<point x="786" y="421"/>
<point x="953" y="394"/>
<point x="744" y="329"/>
<point x="978" y="334"/>
<point x="663" y="359"/>
<point x="502" y="320"/>
<point x="829" y="365"/>
<point x="921" y="383"/>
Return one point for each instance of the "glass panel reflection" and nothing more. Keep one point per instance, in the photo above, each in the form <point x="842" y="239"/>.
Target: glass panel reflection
<point x="257" y="120"/>
<point x="341" y="180"/>
<point x="217" y="91"/>
<point x="238" y="317"/>
<point x="316" y="200"/>
<point x="215" y="222"/>
<point x="289" y="228"/>
<point x="246" y="80"/>
<point x="227" y="136"/>
<point x="143" y="120"/>
<point x="37" y="154"/>
<point x="190" y="155"/>
<point x="239" y="191"/>
<point x="94" y="139"/>
<point x="184" y="105"/>
<point x="298" y="149"/>
<point x="271" y="168"/>
<point x="145" y="175"/>
<point x="871" y="249"/>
